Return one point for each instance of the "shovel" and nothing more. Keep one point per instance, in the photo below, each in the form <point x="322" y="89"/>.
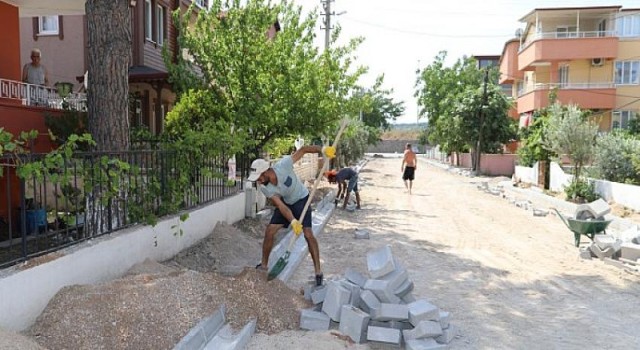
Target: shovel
<point x="284" y="260"/>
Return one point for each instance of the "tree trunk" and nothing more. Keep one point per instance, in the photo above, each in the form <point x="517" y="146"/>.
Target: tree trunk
<point x="109" y="52"/>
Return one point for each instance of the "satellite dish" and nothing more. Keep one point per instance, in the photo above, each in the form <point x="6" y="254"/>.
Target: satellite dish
<point x="518" y="33"/>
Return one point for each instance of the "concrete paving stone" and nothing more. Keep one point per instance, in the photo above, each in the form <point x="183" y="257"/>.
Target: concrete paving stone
<point x="424" y="344"/>
<point x="203" y="332"/>
<point x="314" y="320"/>
<point x="354" y="323"/>
<point x="606" y="241"/>
<point x="355" y="276"/>
<point x="368" y="301"/>
<point x="226" y="340"/>
<point x="380" y="262"/>
<point x="355" y="291"/>
<point x="601" y="254"/>
<point x="447" y="335"/>
<point x="424" y="329"/>
<point x="396" y="278"/>
<point x="422" y="310"/>
<point x="391" y="312"/>
<point x="630" y="251"/>
<point x="318" y="295"/>
<point x="381" y="289"/>
<point x="585" y="253"/>
<point x="444" y="319"/>
<point x="404" y="289"/>
<point x="361" y="234"/>
<point x="596" y="210"/>
<point x="401" y="325"/>
<point x="384" y="335"/>
<point x="337" y="295"/>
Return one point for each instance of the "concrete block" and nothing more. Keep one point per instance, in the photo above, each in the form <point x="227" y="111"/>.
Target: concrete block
<point x="396" y="277"/>
<point x="447" y="335"/>
<point x="307" y="290"/>
<point x="361" y="234"/>
<point x="355" y="276"/>
<point x="630" y="251"/>
<point x="424" y="329"/>
<point x="606" y="241"/>
<point x="368" y="301"/>
<point x="381" y="289"/>
<point x="540" y="212"/>
<point x="314" y="320"/>
<point x="318" y="295"/>
<point x="354" y="323"/>
<point x="404" y="289"/>
<point x="630" y="234"/>
<point x="380" y="262"/>
<point x="422" y="310"/>
<point x="203" y="332"/>
<point x="424" y="344"/>
<point x="391" y="312"/>
<point x="601" y="254"/>
<point x="391" y="324"/>
<point x="337" y="295"/>
<point x="355" y="292"/>
<point x="444" y="319"/>
<point x="594" y="210"/>
<point x="226" y="340"/>
<point x="384" y="335"/>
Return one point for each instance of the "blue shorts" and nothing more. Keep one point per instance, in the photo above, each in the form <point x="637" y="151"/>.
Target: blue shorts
<point x="296" y="208"/>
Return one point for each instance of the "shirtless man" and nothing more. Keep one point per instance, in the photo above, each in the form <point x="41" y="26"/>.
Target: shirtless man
<point x="408" y="168"/>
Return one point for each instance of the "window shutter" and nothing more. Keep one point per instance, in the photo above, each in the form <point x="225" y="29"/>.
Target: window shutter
<point x="60" y="31"/>
<point x="36" y="27"/>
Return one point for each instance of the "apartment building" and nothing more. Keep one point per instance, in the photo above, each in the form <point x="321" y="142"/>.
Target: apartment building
<point x="589" y="55"/>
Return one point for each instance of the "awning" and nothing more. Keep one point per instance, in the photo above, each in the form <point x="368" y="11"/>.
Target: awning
<point x="33" y="8"/>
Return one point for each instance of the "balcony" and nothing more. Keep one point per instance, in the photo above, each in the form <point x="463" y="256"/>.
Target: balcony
<point x="542" y="48"/>
<point x="16" y="92"/>
<point x="585" y="95"/>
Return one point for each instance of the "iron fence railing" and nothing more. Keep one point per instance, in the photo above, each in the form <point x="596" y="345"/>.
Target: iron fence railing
<point x="41" y="96"/>
<point x="41" y="215"/>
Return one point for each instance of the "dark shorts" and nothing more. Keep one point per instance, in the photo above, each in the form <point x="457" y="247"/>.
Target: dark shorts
<point x="409" y="173"/>
<point x="296" y="208"/>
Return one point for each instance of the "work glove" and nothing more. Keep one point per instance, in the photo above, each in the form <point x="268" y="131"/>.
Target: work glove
<point x="329" y="152"/>
<point x="296" y="226"/>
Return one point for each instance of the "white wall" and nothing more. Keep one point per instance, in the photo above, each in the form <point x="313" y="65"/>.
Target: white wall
<point x="26" y="293"/>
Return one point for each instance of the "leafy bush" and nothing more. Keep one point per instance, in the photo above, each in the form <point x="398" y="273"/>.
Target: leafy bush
<point x="581" y="191"/>
<point x="615" y="156"/>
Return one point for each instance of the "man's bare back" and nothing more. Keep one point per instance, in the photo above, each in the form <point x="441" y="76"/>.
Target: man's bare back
<point x="409" y="158"/>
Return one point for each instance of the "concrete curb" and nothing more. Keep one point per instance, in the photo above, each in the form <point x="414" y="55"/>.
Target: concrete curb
<point x="212" y="334"/>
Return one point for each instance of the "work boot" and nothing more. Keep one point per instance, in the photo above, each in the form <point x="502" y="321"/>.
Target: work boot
<point x="319" y="279"/>
<point x="260" y="267"/>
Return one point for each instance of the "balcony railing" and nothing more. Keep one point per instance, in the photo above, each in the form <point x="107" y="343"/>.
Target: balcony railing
<point x="567" y="35"/>
<point x="40" y="95"/>
<point x="565" y="86"/>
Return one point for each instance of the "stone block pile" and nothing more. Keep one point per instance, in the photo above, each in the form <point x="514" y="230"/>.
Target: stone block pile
<point x="379" y="307"/>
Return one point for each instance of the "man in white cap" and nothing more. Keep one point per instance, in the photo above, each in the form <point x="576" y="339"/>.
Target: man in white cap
<point x="282" y="186"/>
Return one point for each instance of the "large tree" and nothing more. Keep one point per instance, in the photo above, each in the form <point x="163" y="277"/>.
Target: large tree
<point x="109" y="58"/>
<point x="264" y="86"/>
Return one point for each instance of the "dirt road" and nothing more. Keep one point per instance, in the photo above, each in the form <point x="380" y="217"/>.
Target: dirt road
<point x="510" y="280"/>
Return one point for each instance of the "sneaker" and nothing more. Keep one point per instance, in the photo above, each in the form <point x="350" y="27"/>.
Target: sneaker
<point x="319" y="279"/>
<point x="259" y="267"/>
<point x="358" y="207"/>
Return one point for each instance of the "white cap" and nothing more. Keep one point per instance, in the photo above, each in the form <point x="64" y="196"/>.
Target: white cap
<point x="258" y="167"/>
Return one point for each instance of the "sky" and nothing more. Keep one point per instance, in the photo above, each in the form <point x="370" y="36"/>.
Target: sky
<point x="402" y="35"/>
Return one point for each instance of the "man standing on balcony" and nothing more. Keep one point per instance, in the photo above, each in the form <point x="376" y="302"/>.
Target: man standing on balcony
<point x="34" y="72"/>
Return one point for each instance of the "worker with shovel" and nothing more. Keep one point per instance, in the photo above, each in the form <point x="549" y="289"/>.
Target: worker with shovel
<point x="289" y="195"/>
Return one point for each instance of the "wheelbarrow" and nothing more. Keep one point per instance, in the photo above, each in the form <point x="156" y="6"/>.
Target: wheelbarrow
<point x="589" y="228"/>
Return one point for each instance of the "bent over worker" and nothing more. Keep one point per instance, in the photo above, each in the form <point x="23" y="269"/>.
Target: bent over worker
<point x="344" y="188"/>
<point x="286" y="191"/>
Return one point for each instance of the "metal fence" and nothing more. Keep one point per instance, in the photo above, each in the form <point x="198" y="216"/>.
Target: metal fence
<point x="94" y="194"/>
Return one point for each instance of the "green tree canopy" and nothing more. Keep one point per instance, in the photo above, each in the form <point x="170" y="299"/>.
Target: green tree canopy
<point x="262" y="86"/>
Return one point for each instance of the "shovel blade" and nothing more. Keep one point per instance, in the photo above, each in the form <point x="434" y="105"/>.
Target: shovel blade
<point x="278" y="267"/>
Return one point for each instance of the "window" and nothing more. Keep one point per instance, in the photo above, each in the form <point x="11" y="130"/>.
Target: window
<point x="148" y="20"/>
<point x="160" y="24"/>
<point x="620" y="119"/>
<point x="602" y="27"/>
<point x="567" y="32"/>
<point x="563" y="76"/>
<point x="628" y="26"/>
<point x="201" y="3"/>
<point x="627" y="72"/>
<point x="48" y="25"/>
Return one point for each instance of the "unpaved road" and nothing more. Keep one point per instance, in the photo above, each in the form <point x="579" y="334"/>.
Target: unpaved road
<point x="510" y="280"/>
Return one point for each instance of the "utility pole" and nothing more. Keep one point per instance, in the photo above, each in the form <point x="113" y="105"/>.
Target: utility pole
<point x="326" y="4"/>
<point x="484" y="102"/>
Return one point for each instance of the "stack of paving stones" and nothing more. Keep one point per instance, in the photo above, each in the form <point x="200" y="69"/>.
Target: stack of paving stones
<point x="379" y="308"/>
